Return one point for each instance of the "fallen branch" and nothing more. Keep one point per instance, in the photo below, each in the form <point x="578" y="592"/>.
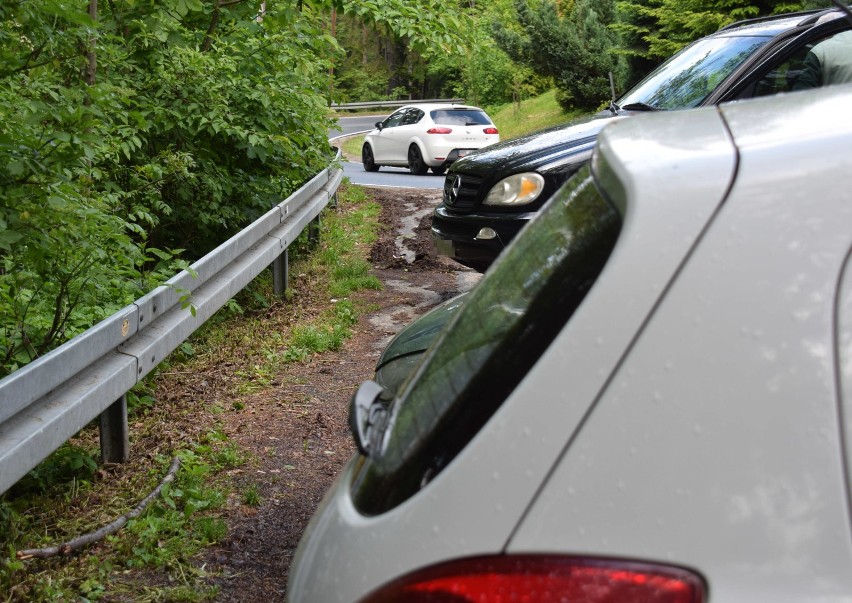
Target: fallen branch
<point x="86" y="539"/>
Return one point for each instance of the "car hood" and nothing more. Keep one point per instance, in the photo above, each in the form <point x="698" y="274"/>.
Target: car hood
<point x="535" y="149"/>
<point x="419" y="335"/>
<point x="403" y="353"/>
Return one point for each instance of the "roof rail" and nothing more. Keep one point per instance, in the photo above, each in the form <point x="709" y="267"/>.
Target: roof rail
<point x="839" y="12"/>
<point x="808" y="14"/>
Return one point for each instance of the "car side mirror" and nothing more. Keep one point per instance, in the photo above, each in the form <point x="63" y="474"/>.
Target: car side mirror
<point x="368" y="416"/>
<point x="379" y="126"/>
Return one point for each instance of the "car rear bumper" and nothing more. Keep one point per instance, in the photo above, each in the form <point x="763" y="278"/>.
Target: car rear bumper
<point x="461" y="237"/>
<point x="448" y="157"/>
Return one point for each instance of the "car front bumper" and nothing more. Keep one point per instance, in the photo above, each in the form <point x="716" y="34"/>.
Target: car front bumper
<point x="464" y="238"/>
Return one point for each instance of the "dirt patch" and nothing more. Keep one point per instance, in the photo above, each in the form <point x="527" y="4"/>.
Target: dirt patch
<point x="296" y="429"/>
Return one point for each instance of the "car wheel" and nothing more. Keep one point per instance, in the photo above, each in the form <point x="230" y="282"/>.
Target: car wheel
<point x="439" y="171"/>
<point x="367" y="159"/>
<point x="415" y="161"/>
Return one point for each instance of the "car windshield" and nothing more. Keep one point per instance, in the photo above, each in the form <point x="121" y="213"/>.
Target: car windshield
<point x="460" y="117"/>
<point x="688" y="77"/>
<point x="505" y="325"/>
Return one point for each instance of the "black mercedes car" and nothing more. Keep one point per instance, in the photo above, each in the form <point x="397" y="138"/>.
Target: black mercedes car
<point x="492" y="193"/>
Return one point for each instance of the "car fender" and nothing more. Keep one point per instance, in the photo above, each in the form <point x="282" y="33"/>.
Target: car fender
<point x="370" y="139"/>
<point x="427" y="159"/>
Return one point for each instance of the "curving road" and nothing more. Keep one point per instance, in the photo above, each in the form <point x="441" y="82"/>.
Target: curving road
<point x="386" y="176"/>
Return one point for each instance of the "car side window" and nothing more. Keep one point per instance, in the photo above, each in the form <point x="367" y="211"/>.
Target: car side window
<point x="496" y="337"/>
<point x="411" y="117"/>
<point x="781" y="76"/>
<point x="395" y="119"/>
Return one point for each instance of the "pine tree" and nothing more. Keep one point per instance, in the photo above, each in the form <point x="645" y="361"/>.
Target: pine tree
<point x="575" y="46"/>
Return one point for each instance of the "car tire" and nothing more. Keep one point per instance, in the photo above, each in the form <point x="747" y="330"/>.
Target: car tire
<point x="367" y="159"/>
<point x="416" y="164"/>
<point x="439" y="170"/>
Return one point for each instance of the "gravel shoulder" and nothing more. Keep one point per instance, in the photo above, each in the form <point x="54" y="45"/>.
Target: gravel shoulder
<point x="296" y="430"/>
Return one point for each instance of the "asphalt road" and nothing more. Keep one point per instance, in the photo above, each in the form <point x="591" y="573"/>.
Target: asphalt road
<point x="354" y="125"/>
<point x="386" y="176"/>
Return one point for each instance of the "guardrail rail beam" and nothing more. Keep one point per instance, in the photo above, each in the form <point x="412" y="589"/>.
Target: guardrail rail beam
<point x="45" y="403"/>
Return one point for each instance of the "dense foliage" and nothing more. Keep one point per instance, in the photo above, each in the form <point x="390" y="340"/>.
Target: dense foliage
<point x="140" y="133"/>
<point x="137" y="134"/>
<point x="574" y="46"/>
<point x="517" y="48"/>
<point x="656" y="29"/>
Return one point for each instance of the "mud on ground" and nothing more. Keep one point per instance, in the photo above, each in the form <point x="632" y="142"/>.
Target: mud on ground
<point x="297" y="428"/>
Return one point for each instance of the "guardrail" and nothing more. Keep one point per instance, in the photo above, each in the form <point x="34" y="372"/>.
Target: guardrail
<point x="384" y="104"/>
<point x="46" y="402"/>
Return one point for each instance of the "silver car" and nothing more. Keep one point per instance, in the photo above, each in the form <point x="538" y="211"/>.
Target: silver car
<point x="647" y="398"/>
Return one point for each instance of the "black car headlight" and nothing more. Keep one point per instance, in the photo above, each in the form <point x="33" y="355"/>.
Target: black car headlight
<point x="517" y="189"/>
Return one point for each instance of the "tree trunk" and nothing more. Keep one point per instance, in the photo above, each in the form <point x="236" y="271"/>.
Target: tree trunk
<point x="395" y="57"/>
<point x="214" y="21"/>
<point x="91" y="56"/>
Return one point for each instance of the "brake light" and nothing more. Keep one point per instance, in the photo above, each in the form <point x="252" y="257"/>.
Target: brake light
<point x="491" y="131"/>
<point x="543" y="579"/>
<point x="439" y="130"/>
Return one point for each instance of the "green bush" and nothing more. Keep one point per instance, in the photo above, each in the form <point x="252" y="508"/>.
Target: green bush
<point x="135" y="140"/>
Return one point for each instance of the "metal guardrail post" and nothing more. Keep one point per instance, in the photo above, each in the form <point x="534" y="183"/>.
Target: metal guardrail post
<point x="115" y="442"/>
<point x="314" y="230"/>
<point x="280" y="273"/>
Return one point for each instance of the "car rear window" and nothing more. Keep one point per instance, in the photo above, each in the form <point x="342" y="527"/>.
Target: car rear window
<point x="505" y="325"/>
<point x="460" y="117"/>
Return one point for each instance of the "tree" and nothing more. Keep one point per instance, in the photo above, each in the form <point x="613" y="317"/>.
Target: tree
<point x="659" y="28"/>
<point x="484" y="74"/>
<point x="576" y="46"/>
<point x="137" y="135"/>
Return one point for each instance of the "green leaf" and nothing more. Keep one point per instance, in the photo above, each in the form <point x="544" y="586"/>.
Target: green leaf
<point x="16" y="168"/>
<point x="163" y="255"/>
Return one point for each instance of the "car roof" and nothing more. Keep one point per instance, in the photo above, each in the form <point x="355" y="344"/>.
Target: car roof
<point x="772" y="25"/>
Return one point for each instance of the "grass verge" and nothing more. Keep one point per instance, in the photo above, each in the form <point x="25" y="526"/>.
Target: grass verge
<point x="531" y="115"/>
<point x="242" y="348"/>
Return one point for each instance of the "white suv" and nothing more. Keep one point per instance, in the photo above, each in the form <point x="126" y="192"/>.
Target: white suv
<point x="647" y="397"/>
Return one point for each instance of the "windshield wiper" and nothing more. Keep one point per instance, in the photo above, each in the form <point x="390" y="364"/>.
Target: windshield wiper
<point x="638" y="107"/>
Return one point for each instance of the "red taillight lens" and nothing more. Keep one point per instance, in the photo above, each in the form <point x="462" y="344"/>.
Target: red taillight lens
<point x="439" y="130"/>
<point x="543" y="579"/>
<point x="491" y="131"/>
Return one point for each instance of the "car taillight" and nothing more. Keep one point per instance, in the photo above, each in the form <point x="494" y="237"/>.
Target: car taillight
<point x="439" y="131"/>
<point x="491" y="131"/>
<point x="543" y="579"/>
